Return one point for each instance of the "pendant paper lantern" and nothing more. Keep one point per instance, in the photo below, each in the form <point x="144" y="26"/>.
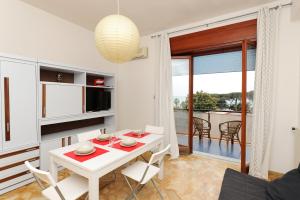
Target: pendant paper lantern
<point x="117" y="38"/>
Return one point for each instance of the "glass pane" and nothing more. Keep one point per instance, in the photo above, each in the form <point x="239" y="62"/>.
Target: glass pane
<point x="217" y="102"/>
<point x="180" y="81"/>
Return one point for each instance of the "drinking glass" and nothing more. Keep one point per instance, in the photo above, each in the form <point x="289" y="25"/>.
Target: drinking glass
<point x="112" y="139"/>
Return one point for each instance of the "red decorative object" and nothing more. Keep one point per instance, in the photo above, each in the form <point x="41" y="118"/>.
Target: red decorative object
<point x="99" y="82"/>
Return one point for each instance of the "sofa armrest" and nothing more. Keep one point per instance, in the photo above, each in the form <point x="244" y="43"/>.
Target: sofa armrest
<point x="237" y="186"/>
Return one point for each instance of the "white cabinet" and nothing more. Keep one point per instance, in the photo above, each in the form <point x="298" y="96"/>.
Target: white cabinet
<point x="49" y="145"/>
<point x="18" y="104"/>
<point x="60" y="99"/>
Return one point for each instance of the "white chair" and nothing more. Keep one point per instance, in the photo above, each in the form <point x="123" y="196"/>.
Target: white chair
<point x="69" y="188"/>
<point x="88" y="135"/>
<point x="154" y="129"/>
<point x="143" y="172"/>
<point x="159" y="130"/>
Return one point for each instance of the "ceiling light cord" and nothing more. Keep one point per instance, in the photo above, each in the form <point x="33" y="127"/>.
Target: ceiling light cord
<point x="118" y="6"/>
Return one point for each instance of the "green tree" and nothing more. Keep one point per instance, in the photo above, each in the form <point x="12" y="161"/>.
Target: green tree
<point x="184" y="104"/>
<point x="176" y="103"/>
<point x="204" y="101"/>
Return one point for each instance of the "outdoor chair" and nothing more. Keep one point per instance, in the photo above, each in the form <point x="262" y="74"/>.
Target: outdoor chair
<point x="230" y="131"/>
<point x="202" y="127"/>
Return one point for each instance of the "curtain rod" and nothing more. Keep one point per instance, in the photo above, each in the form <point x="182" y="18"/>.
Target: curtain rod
<point x="222" y="20"/>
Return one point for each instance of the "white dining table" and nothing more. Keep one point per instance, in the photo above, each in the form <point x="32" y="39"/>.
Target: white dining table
<point x="94" y="168"/>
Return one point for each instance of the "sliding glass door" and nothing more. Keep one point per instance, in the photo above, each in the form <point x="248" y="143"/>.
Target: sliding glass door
<point x="213" y="102"/>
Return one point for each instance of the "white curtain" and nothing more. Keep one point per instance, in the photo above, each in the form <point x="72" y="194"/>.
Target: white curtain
<point x="264" y="97"/>
<point x="164" y="112"/>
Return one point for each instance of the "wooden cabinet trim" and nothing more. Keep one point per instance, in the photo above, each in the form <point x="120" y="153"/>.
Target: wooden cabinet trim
<point x="69" y="140"/>
<point x="14" y="176"/>
<point x="6" y="109"/>
<point x="18" y="163"/>
<point x="18" y="152"/>
<point x="63" y="142"/>
<point x="83" y="99"/>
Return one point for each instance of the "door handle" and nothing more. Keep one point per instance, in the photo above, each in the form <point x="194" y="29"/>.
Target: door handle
<point x="6" y="109"/>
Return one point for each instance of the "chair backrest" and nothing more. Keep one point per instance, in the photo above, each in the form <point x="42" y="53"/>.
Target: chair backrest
<point x="88" y="135"/>
<point x="154" y="129"/>
<point x="159" y="156"/>
<point x="41" y="175"/>
<point x="230" y="127"/>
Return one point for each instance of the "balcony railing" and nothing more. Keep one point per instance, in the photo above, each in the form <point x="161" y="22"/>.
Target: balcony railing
<point x="214" y="117"/>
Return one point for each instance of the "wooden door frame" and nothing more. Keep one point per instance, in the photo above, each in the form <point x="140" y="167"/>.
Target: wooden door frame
<point x="244" y="106"/>
<point x="190" y="100"/>
<point x="244" y="45"/>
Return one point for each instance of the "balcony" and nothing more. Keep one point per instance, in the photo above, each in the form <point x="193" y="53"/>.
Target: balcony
<point x="212" y="147"/>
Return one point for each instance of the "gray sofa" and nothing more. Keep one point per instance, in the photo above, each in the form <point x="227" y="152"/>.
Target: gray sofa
<point x="238" y="186"/>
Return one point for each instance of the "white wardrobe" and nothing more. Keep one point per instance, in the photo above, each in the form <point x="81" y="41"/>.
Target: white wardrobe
<point x="19" y="123"/>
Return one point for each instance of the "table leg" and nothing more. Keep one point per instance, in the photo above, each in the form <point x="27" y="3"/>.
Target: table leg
<point x="94" y="188"/>
<point x="53" y="169"/>
<point x="161" y="164"/>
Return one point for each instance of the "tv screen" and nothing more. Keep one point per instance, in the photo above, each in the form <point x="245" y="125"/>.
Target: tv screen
<point x="97" y="99"/>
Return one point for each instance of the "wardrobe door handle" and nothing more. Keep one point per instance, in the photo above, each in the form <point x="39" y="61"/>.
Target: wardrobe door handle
<point x="6" y="109"/>
<point x="44" y="100"/>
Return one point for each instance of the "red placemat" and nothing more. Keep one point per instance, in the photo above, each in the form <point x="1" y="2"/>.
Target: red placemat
<point x="128" y="149"/>
<point x="98" y="152"/>
<point x="134" y="135"/>
<point x="103" y="142"/>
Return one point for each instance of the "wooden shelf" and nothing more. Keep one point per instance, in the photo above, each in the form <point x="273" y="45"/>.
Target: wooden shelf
<point x="60" y="83"/>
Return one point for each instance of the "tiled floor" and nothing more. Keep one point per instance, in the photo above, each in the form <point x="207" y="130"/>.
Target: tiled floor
<point x="213" y="147"/>
<point x="190" y="177"/>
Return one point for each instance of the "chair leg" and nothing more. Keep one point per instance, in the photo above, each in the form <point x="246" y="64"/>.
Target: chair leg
<point x="220" y="139"/>
<point x="155" y="186"/>
<point x="132" y="190"/>
<point x="237" y="135"/>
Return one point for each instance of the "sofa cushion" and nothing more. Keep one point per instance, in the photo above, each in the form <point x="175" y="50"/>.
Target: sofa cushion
<point x="238" y="186"/>
<point x="287" y="187"/>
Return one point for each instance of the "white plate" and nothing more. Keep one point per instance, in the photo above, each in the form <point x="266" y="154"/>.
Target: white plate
<point x="103" y="137"/>
<point x="84" y="154"/>
<point x="128" y="141"/>
<point x="124" y="145"/>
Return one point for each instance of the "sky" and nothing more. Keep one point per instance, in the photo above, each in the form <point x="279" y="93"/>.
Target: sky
<point x="213" y="83"/>
<point x="216" y="73"/>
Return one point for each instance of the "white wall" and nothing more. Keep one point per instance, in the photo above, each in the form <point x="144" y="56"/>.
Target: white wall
<point x="31" y="32"/>
<point x="284" y="155"/>
<point x="136" y="85"/>
<point x="137" y="81"/>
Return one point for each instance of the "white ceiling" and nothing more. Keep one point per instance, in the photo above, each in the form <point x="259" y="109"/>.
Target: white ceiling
<point x="149" y="15"/>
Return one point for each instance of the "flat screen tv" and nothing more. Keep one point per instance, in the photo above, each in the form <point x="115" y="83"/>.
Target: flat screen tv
<point x="97" y="99"/>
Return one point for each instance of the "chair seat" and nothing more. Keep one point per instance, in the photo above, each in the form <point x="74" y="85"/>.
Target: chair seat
<point x="136" y="171"/>
<point x="72" y="188"/>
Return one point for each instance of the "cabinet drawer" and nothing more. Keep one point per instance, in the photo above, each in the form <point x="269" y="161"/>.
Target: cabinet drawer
<point x="17" y="178"/>
<point x="18" y="156"/>
<point x="17" y="168"/>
